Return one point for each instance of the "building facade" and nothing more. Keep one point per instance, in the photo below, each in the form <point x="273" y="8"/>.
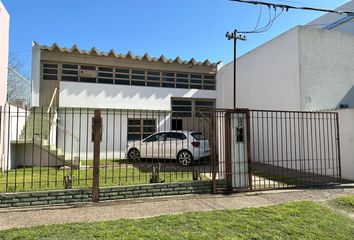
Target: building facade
<point x="4" y="50"/>
<point x="149" y="94"/>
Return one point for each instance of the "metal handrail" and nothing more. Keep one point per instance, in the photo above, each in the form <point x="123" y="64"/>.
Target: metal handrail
<point x="52" y="100"/>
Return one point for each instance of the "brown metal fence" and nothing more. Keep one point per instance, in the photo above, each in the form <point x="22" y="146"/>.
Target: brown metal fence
<point x="238" y="150"/>
<point x="294" y="149"/>
<point x="54" y="149"/>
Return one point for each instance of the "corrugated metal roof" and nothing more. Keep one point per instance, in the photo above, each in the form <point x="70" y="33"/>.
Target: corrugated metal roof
<point x="93" y="51"/>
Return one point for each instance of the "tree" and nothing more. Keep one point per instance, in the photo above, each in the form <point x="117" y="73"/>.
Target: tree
<point x="18" y="85"/>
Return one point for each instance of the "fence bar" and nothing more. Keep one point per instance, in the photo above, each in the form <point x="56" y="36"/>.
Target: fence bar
<point x="97" y="130"/>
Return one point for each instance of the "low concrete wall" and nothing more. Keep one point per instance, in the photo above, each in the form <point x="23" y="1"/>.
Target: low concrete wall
<point x="69" y="196"/>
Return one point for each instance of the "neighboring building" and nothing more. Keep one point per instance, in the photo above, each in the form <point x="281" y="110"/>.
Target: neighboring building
<point x="336" y="22"/>
<point x="304" y="69"/>
<point x="4" y="50"/>
<point x="18" y="89"/>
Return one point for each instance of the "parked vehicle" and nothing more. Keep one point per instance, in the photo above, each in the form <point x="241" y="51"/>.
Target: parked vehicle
<point x="184" y="146"/>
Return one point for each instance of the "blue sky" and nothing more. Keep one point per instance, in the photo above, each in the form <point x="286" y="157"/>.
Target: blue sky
<point x="185" y="28"/>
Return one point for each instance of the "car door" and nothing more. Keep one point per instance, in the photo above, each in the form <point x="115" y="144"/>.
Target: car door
<point x="153" y="146"/>
<point x="172" y="144"/>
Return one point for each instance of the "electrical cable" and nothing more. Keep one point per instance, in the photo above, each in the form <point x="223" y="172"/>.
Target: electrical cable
<point x="287" y="7"/>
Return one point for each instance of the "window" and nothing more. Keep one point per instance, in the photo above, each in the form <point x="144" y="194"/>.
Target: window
<point x="196" y="81"/>
<point x="203" y="107"/>
<point x="209" y="82"/>
<point x="153" y="79"/>
<point x="176" y="135"/>
<point x="138" y="78"/>
<point x="69" y="72"/>
<point x="183" y="107"/>
<point x="105" y="75"/>
<point x="140" y="128"/>
<point x="122" y="76"/>
<point x="182" y="80"/>
<point x="168" y="80"/>
<point x="156" y="137"/>
<point x="50" y="71"/>
<point x="198" y="136"/>
<point x="127" y="76"/>
<point x="177" y="124"/>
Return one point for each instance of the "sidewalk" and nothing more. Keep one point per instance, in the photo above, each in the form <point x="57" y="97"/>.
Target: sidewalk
<point x="149" y="207"/>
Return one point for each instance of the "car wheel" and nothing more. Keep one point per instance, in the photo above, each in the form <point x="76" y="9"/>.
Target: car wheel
<point x="185" y="158"/>
<point x="134" y="155"/>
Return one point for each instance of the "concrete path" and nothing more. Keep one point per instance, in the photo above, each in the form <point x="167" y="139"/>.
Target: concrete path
<point x="149" y="207"/>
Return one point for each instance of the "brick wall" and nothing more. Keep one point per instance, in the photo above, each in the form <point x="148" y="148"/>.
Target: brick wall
<point x="70" y="196"/>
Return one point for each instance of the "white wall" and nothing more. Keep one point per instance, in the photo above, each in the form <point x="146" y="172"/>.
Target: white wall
<point x="36" y="74"/>
<point x="346" y="135"/>
<point x="267" y="77"/>
<point x="326" y="69"/>
<point x="4" y="48"/>
<point x="96" y="95"/>
<point x="114" y="131"/>
<point x="12" y="122"/>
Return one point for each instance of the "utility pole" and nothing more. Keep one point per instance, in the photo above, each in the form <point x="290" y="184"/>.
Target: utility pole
<point x="234" y="36"/>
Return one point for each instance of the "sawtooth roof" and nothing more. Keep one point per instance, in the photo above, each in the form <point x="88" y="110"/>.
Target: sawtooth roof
<point x="94" y="52"/>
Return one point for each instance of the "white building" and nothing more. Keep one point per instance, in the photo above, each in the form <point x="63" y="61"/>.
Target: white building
<point x="4" y="50"/>
<point x="336" y="22"/>
<point x="69" y="82"/>
<point x="308" y="68"/>
<point x="304" y="69"/>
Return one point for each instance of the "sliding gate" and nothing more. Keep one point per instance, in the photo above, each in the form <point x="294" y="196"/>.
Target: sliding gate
<point x="258" y="149"/>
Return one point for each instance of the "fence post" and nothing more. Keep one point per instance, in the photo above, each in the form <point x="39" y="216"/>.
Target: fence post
<point x="96" y="131"/>
<point x="338" y="145"/>
<point x="248" y="147"/>
<point x="228" y="163"/>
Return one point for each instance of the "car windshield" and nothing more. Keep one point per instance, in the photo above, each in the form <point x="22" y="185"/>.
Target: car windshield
<point x="198" y="136"/>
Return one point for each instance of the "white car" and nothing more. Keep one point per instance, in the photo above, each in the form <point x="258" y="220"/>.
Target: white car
<point x="185" y="146"/>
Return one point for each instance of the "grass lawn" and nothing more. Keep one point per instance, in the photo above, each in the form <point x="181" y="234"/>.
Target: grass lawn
<point x="345" y="202"/>
<point x="300" y="220"/>
<point x="28" y="179"/>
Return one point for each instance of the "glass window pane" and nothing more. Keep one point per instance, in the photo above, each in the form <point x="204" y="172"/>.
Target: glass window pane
<point x="138" y="72"/>
<point x="49" y="77"/>
<point x="48" y="65"/>
<point x="105" y="80"/>
<point x="50" y="71"/>
<point x="138" y="83"/>
<point x="122" y="76"/>
<point x="70" y="66"/>
<point x="105" y="69"/>
<point x="69" y="78"/>
<point x="122" y="70"/>
<point x="69" y="72"/>
<point x="101" y="74"/>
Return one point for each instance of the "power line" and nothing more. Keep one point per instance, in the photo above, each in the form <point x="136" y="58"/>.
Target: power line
<point x="287" y="7"/>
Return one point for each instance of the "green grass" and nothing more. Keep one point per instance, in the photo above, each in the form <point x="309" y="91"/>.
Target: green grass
<point x="345" y="202"/>
<point x="28" y="179"/>
<point x="300" y="220"/>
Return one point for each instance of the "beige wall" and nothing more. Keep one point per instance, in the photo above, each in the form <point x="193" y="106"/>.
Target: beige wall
<point x="4" y="48"/>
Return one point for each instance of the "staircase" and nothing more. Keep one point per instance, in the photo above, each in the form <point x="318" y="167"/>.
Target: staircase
<point x="37" y="131"/>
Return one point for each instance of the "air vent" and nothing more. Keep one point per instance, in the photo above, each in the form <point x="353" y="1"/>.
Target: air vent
<point x="341" y="106"/>
<point x="88" y="73"/>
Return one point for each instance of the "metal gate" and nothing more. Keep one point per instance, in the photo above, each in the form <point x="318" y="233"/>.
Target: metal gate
<point x="259" y="149"/>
